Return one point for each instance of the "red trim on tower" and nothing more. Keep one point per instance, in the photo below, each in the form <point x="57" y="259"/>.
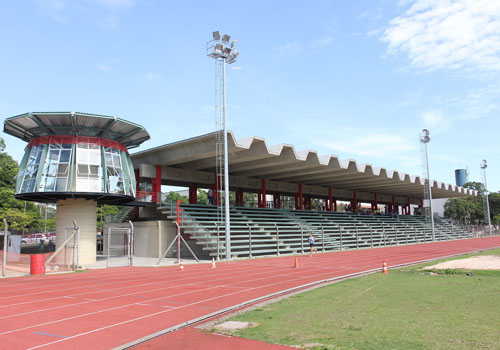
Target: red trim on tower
<point x="74" y="140"/>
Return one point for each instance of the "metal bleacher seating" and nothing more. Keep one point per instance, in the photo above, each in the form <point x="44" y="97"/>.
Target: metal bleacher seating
<point x="264" y="232"/>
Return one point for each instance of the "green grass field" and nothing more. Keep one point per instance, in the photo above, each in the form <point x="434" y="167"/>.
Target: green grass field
<point x="405" y="309"/>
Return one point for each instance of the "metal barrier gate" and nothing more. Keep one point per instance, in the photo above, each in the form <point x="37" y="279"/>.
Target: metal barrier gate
<point x="119" y="246"/>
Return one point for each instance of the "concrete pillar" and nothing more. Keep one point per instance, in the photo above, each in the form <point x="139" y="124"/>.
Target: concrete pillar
<point x="84" y="212"/>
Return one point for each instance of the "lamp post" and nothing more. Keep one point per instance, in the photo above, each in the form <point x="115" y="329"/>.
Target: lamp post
<point x="425" y="138"/>
<point x="484" y="165"/>
<point x="224" y="53"/>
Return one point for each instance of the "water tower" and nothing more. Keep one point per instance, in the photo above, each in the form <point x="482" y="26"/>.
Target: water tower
<point x="77" y="160"/>
<point x="461" y="177"/>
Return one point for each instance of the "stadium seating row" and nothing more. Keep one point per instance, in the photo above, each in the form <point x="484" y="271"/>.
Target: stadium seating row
<point x="263" y="232"/>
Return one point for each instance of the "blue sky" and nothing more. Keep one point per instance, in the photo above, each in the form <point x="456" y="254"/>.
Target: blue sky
<point x="357" y="79"/>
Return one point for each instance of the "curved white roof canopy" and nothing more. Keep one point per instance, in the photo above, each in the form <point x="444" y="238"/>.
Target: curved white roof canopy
<point x="252" y="157"/>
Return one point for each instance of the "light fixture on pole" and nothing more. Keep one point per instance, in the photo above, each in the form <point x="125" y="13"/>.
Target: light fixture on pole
<point x="484" y="165"/>
<point x="223" y="53"/>
<point x="425" y="139"/>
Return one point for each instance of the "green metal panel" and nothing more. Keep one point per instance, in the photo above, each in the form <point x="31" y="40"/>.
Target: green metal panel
<point x="126" y="171"/>
<point x="39" y="173"/>
<point x="133" y="182"/>
<point x="22" y="167"/>
<point x="104" y="172"/>
<point x="72" y="174"/>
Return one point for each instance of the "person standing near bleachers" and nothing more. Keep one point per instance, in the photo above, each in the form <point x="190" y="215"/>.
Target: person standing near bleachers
<point x="210" y="196"/>
<point x="311" y="243"/>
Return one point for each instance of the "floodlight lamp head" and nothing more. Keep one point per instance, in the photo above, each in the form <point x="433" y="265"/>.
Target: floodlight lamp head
<point x="233" y="43"/>
<point x="216" y="35"/>
<point x="227" y="51"/>
<point x="484" y="165"/>
<point x="424" y="137"/>
<point x="225" y="39"/>
<point x="218" y="48"/>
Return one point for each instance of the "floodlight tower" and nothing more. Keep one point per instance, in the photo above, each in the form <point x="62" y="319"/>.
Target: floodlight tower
<point x="484" y="165"/>
<point x="424" y="139"/>
<point x="223" y="52"/>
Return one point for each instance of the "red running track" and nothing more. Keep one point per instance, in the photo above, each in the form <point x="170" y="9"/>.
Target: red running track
<point x="103" y="309"/>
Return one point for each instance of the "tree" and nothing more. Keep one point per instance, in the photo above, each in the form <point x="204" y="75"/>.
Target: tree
<point x="8" y="171"/>
<point x="474" y="185"/>
<point x="2" y="145"/>
<point x="466" y="211"/>
<point x="202" y="197"/>
<point x="174" y="197"/>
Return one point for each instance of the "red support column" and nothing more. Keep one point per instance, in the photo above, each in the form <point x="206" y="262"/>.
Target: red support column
<point x="263" y="193"/>
<point x="330" y="199"/>
<point x="279" y="200"/>
<point x="217" y="190"/>
<point x="156" y="184"/>
<point x="354" y="202"/>
<point x="137" y="187"/>
<point x="409" y="206"/>
<point x="300" y="199"/>
<point x="394" y="208"/>
<point x="193" y="194"/>
<point x="239" y="197"/>
<point x="375" y="202"/>
<point x="334" y="204"/>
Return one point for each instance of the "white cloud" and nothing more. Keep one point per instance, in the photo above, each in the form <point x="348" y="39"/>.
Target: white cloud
<point x="452" y="35"/>
<point x="153" y="76"/>
<point x="435" y="120"/>
<point x="322" y="41"/>
<point x="103" y="67"/>
<point x="116" y="3"/>
<point x="287" y="50"/>
<point x="54" y="9"/>
<point x="380" y="145"/>
<point x="104" y="13"/>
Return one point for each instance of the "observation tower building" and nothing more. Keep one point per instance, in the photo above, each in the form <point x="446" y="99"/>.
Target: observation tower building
<point x="77" y="160"/>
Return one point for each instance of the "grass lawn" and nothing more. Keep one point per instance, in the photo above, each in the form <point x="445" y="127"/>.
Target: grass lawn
<point x="405" y="309"/>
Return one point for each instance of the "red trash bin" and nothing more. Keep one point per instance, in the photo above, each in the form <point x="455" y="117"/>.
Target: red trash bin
<point x="37" y="264"/>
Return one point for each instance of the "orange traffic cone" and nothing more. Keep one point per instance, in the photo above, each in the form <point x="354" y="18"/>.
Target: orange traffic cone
<point x="384" y="267"/>
<point x="213" y="263"/>
<point x="181" y="267"/>
<point x="296" y="265"/>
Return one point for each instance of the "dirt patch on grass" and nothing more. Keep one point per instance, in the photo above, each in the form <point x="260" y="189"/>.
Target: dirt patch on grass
<point x="484" y="262"/>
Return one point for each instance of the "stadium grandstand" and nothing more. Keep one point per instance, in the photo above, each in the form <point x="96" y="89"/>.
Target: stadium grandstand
<point x="297" y="193"/>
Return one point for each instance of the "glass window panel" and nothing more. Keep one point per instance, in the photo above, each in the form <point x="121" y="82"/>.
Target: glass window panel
<point x="109" y="159"/>
<point x="61" y="184"/>
<point x="83" y="169"/>
<point x="65" y="156"/>
<point x="94" y="156"/>
<point x="66" y="145"/>
<point x="82" y="184"/>
<point x="50" y="184"/>
<point x="94" y="169"/>
<point x="53" y="155"/>
<point x="52" y="169"/>
<point x="62" y="169"/>
<point x="94" y="185"/>
<point x="116" y="160"/>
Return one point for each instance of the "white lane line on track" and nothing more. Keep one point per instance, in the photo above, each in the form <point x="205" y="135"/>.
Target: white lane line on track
<point x="111" y="290"/>
<point x="118" y="296"/>
<point x="208" y="299"/>
<point x="134" y="293"/>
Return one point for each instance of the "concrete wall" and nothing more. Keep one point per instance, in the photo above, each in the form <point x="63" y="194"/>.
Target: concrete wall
<point x="84" y="212"/>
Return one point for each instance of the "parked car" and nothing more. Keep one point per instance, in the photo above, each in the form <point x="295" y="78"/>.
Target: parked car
<point x="51" y="236"/>
<point x="34" y="238"/>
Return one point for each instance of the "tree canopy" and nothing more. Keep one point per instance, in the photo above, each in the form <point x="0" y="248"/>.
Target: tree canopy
<point x="471" y="210"/>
